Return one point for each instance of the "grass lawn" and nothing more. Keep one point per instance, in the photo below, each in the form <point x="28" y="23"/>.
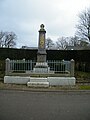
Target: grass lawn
<point x="84" y="87"/>
<point x="24" y="87"/>
<point x="80" y="74"/>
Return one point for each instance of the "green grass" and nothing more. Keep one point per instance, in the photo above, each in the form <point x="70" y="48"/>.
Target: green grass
<point x="84" y="87"/>
<point x="22" y="87"/>
<point x="80" y="74"/>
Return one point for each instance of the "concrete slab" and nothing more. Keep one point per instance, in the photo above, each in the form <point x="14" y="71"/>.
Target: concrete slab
<point x="53" y="81"/>
<point x="61" y="81"/>
<point x="38" y="79"/>
<point x="16" y="79"/>
<point x="38" y="84"/>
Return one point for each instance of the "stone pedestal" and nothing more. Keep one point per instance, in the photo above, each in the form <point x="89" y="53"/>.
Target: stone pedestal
<point x="41" y="56"/>
<point x="41" y="67"/>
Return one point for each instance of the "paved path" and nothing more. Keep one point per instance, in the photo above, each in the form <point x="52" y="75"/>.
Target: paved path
<point x="26" y="105"/>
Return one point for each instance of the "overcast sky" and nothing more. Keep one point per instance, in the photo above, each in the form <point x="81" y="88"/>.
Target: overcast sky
<point x="25" y="16"/>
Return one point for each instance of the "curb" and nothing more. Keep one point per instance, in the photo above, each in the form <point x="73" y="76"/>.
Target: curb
<point x="44" y="90"/>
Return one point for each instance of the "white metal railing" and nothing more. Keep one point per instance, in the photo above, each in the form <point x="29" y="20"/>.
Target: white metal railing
<point x="59" y="66"/>
<point x="28" y="65"/>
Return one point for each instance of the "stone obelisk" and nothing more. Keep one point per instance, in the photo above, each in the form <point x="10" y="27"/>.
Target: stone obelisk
<point x="41" y="54"/>
<point x="41" y="64"/>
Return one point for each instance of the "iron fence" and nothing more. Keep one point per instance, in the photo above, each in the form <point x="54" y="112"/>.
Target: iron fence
<point x="28" y="65"/>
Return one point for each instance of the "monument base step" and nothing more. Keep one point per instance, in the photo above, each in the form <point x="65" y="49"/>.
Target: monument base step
<point x="56" y="81"/>
<point x="38" y="84"/>
<point x="16" y="79"/>
<point x="38" y="79"/>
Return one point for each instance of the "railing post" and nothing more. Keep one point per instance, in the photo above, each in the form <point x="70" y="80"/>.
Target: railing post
<point x="31" y="65"/>
<point x="72" y="68"/>
<point x="24" y="65"/>
<point x="7" y="66"/>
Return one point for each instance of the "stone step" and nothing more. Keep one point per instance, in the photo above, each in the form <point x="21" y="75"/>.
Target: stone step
<point x="38" y="84"/>
<point x="38" y="79"/>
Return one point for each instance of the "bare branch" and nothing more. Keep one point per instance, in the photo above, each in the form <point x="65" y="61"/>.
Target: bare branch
<point x="7" y="39"/>
<point x="83" y="26"/>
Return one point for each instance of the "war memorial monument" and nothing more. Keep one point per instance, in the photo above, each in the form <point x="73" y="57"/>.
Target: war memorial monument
<point x="43" y="73"/>
<point x="41" y="64"/>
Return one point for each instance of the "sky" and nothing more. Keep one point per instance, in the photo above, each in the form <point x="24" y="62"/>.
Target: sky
<point x="24" y="17"/>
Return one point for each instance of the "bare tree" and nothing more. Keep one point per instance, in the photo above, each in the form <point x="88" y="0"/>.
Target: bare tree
<point x="74" y="41"/>
<point x="61" y="43"/>
<point x="7" y="39"/>
<point x="83" y="26"/>
<point x="49" y="43"/>
<point x="1" y="38"/>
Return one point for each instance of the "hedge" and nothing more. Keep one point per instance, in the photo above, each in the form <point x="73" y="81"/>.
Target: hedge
<point x="81" y="57"/>
<point x="77" y="55"/>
